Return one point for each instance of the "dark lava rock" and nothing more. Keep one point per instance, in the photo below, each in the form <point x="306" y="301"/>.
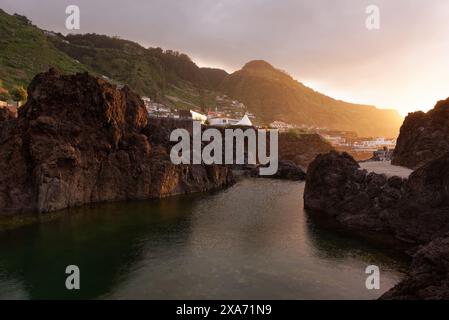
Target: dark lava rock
<point x="422" y="213"/>
<point x="287" y="170"/>
<point x="79" y="140"/>
<point x="413" y="214"/>
<point x="428" y="276"/>
<point x="424" y="137"/>
<point x="356" y="199"/>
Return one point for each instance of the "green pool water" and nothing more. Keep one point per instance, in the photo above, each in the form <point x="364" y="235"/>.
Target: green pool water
<point x="251" y="241"/>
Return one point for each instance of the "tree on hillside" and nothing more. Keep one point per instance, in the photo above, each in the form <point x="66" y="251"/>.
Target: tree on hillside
<point x="19" y="94"/>
<point x="4" y="93"/>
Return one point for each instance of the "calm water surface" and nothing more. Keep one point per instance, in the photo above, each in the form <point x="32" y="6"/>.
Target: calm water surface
<point x="252" y="241"/>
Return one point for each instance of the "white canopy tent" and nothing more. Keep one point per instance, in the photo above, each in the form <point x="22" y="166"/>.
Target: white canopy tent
<point x="245" y="122"/>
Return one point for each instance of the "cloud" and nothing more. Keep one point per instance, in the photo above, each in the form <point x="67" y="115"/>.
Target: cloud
<point x="321" y="42"/>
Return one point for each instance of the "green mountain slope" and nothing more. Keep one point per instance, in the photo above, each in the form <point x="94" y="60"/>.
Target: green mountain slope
<point x="163" y="75"/>
<point x="166" y="76"/>
<point x="26" y="51"/>
<point x="273" y="95"/>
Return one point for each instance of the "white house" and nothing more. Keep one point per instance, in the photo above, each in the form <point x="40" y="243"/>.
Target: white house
<point x="198" y="116"/>
<point x="222" y="121"/>
<point x="379" y="142"/>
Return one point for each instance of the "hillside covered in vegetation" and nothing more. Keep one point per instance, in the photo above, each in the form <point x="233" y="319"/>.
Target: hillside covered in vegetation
<point x="172" y="78"/>
<point x="163" y="75"/>
<point x="274" y="95"/>
<point x="26" y="51"/>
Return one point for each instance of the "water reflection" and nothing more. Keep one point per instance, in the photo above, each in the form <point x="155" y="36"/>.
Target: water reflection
<point x="105" y="241"/>
<point x="250" y="241"/>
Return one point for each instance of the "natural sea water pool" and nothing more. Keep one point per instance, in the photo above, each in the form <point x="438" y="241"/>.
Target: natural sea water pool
<point x="251" y="241"/>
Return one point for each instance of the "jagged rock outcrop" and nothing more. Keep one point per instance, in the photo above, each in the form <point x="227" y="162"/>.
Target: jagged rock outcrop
<point x="422" y="213"/>
<point x="287" y="170"/>
<point x="79" y="139"/>
<point x="302" y="149"/>
<point x="423" y="137"/>
<point x="428" y="276"/>
<point x="410" y="214"/>
<point x="337" y="187"/>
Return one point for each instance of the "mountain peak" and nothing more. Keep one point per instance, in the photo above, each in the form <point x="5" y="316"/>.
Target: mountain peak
<point x="273" y="95"/>
<point x="258" y="64"/>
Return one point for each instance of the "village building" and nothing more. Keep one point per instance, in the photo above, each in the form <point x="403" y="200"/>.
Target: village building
<point x="281" y="125"/>
<point x="159" y="110"/>
<point x="334" y="140"/>
<point x="195" y="116"/>
<point x="224" y="121"/>
<point x="375" y="143"/>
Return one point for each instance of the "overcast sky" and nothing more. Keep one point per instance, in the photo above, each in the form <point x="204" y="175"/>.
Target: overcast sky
<point x="323" y="43"/>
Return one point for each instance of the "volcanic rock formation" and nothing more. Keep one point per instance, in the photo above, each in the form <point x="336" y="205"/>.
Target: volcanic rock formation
<point x="423" y="137"/>
<point x="287" y="170"/>
<point x="411" y="214"/>
<point x="79" y="140"/>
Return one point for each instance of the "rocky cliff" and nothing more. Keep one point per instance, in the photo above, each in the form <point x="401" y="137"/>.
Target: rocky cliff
<point x="410" y="214"/>
<point x="79" y="139"/>
<point x="423" y="137"/>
